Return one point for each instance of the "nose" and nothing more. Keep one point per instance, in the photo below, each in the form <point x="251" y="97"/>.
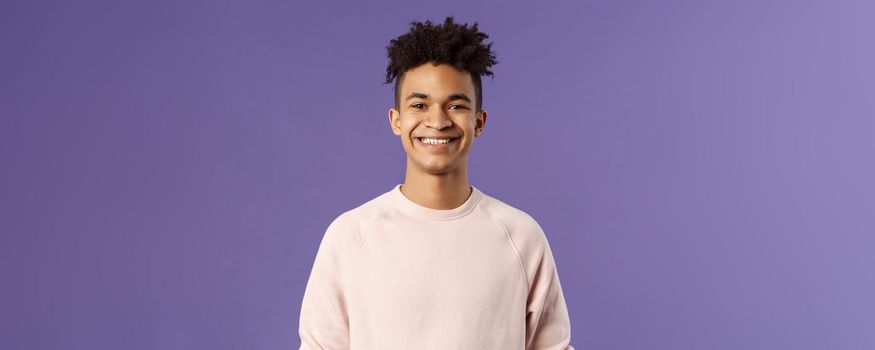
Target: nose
<point x="438" y="120"/>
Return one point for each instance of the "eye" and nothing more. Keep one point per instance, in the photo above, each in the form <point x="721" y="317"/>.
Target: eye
<point x="418" y="104"/>
<point x="460" y="106"/>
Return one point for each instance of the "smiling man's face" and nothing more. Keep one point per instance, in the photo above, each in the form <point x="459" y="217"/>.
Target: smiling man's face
<point x="437" y="102"/>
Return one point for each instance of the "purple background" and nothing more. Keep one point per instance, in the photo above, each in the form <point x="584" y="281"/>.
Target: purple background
<point x="703" y="170"/>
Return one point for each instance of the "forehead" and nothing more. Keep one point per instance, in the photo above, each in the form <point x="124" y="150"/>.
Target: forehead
<point x="440" y="80"/>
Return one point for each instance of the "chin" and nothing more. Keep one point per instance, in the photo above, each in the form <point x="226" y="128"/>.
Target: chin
<point x="437" y="169"/>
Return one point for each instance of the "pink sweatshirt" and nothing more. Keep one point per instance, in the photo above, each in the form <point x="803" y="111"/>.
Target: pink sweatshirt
<point x="392" y="274"/>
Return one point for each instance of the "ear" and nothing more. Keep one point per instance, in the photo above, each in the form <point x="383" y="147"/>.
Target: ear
<point x="480" y="122"/>
<point x="395" y="121"/>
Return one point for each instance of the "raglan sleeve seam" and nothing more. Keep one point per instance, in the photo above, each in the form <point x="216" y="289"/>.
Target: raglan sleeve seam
<point x="358" y="253"/>
<point x="515" y="248"/>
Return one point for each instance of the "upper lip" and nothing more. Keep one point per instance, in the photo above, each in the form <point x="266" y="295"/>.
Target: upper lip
<point x="436" y="137"/>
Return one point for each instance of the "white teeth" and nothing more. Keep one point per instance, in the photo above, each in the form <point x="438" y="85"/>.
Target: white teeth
<point x="434" y="141"/>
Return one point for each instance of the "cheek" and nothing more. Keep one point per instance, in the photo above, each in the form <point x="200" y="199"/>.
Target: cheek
<point x="406" y="125"/>
<point x="407" y="130"/>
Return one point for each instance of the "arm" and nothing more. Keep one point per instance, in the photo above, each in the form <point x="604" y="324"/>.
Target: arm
<point x="324" y="322"/>
<point x="547" y="323"/>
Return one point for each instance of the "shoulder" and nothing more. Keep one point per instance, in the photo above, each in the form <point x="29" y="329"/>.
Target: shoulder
<point x="347" y="225"/>
<point x="523" y="232"/>
<point x="523" y="229"/>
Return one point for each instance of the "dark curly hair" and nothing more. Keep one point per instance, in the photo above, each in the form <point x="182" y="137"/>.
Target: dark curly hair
<point x="451" y="43"/>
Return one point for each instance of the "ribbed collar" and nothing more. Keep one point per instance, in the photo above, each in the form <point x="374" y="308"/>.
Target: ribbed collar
<point x="412" y="208"/>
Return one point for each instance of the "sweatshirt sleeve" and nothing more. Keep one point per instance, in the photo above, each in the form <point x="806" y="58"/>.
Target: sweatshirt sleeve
<point x="324" y="321"/>
<point x="547" y="322"/>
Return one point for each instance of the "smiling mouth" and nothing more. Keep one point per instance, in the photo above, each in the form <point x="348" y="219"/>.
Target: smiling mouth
<point x="437" y="141"/>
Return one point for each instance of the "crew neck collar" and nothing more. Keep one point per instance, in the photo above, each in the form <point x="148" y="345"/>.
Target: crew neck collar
<point x="412" y="208"/>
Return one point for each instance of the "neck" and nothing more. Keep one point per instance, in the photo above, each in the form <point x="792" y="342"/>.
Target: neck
<point x="441" y="191"/>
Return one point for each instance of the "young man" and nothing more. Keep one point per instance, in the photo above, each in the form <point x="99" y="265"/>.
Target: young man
<point x="434" y="263"/>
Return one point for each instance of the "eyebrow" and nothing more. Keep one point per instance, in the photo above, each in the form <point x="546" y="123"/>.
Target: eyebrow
<point x="456" y="96"/>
